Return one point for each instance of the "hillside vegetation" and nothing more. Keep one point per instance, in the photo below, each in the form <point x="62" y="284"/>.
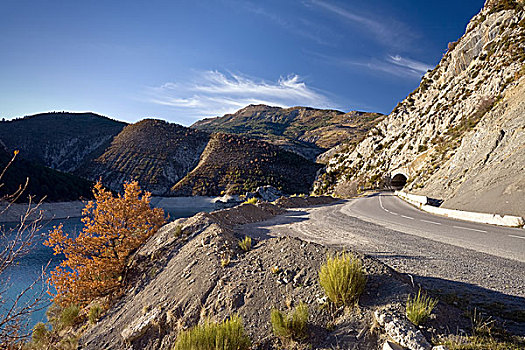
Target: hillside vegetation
<point x="236" y="164"/>
<point x="165" y="158"/>
<point x="303" y="130"/>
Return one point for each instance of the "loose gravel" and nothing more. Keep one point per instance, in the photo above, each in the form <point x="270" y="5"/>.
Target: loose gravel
<point x="460" y="276"/>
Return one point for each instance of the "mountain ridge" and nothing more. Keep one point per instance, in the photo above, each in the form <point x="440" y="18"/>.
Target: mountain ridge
<point x="304" y="130"/>
<point x="156" y="153"/>
<point x="46" y="138"/>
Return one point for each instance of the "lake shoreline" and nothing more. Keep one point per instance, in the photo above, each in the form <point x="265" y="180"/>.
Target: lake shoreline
<point x="73" y="209"/>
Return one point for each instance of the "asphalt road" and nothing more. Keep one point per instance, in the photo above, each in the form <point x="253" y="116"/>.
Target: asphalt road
<point x="439" y="253"/>
<point x="388" y="210"/>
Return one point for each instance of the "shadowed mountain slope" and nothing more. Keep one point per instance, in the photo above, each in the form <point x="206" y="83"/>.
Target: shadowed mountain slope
<point x="59" y="140"/>
<point x="156" y="153"/>
<point x="41" y="181"/>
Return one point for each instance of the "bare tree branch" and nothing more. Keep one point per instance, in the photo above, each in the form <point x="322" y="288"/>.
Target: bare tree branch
<point x="16" y="242"/>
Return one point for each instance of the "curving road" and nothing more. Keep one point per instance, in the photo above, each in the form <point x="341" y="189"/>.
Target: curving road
<point x="389" y="211"/>
<point x="440" y="253"/>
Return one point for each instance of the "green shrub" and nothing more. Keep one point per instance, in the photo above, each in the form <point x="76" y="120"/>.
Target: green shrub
<point x="53" y="315"/>
<point x="225" y="260"/>
<point x="291" y="326"/>
<point x="343" y="279"/>
<point x="68" y="316"/>
<point x="40" y="333"/>
<point x="178" y="231"/>
<point x="246" y="243"/>
<point x="419" y="308"/>
<point x="228" y="335"/>
<point x="94" y="313"/>
<point x="69" y="342"/>
<point x="481" y="325"/>
<point x="252" y="200"/>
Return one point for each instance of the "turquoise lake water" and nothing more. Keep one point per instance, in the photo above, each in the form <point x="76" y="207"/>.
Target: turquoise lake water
<point x="29" y="268"/>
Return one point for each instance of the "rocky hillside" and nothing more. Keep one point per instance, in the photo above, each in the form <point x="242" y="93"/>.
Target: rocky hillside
<point x="155" y="153"/>
<point x="193" y="269"/>
<point x="42" y="181"/>
<point x="165" y="158"/>
<point x="236" y="164"/>
<point x="61" y="141"/>
<point x="460" y="135"/>
<point x="306" y="131"/>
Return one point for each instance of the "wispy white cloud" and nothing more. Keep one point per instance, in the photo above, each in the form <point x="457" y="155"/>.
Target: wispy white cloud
<point x="392" y="64"/>
<point x="388" y="32"/>
<point x="371" y="24"/>
<point x="413" y="65"/>
<point x="213" y="93"/>
<point x="296" y="25"/>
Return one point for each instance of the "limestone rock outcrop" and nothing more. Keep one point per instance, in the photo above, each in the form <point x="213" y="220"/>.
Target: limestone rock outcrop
<point x="461" y="131"/>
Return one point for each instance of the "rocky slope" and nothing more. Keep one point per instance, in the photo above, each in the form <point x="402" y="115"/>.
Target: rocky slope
<point x="234" y="164"/>
<point x="487" y="172"/>
<point x="459" y="136"/>
<point x="178" y="280"/>
<point x="155" y="153"/>
<point x="303" y="130"/>
<point x="61" y="141"/>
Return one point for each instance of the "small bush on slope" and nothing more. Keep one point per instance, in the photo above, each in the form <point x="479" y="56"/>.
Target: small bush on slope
<point x="68" y="316"/>
<point x="246" y="243"/>
<point x="343" y="279"/>
<point x="228" y="335"/>
<point x="419" y="307"/>
<point x="252" y="200"/>
<point x="94" y="313"/>
<point x="292" y="326"/>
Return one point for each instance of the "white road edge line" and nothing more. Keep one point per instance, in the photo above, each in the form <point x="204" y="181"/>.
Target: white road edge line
<point x="381" y="203"/>
<point x="407" y="217"/>
<point x="470" y="229"/>
<point x="432" y="222"/>
<point x="385" y="209"/>
<point x="517" y="236"/>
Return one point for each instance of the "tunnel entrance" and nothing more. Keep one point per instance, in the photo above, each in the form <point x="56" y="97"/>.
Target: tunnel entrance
<point x="398" y="181"/>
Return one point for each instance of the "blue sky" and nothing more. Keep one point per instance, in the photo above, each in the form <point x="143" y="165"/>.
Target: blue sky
<point x="184" y="60"/>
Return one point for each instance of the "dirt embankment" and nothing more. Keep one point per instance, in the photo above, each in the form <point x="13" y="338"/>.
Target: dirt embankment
<point x="193" y="269"/>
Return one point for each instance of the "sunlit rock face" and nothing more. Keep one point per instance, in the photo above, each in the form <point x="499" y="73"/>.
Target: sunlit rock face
<point x="460" y="132"/>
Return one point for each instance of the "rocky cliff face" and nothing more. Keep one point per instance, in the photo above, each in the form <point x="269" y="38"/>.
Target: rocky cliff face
<point x="487" y="172"/>
<point x="461" y="130"/>
<point x="302" y="130"/>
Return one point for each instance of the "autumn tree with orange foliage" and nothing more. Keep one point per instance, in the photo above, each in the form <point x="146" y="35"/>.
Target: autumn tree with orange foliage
<point x="95" y="260"/>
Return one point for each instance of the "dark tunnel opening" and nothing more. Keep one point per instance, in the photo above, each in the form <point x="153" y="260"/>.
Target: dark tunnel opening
<point x="398" y="181"/>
